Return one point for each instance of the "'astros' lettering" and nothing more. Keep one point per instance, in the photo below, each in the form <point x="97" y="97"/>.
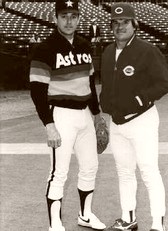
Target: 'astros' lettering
<point x="70" y="59"/>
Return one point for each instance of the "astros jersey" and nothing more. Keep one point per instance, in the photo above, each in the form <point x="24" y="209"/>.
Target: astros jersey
<point x="65" y="71"/>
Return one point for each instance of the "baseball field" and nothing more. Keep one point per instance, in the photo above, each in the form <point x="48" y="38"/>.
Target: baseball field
<point x="25" y="163"/>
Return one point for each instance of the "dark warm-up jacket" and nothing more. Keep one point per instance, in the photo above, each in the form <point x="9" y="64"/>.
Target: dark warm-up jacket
<point x="141" y="70"/>
<point x="61" y="74"/>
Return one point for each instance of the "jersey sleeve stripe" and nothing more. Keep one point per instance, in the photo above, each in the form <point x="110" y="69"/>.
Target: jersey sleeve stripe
<point x="41" y="65"/>
<point x="39" y="72"/>
<point x="91" y="70"/>
<point x="39" y="78"/>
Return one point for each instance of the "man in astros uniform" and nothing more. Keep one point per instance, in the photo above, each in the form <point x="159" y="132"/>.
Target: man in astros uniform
<point x="63" y="91"/>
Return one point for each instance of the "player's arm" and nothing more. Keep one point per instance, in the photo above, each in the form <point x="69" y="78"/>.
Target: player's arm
<point x="157" y="72"/>
<point x="39" y="81"/>
<point x="93" y="103"/>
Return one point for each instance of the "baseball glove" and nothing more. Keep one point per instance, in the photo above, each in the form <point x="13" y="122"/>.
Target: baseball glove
<point x="102" y="136"/>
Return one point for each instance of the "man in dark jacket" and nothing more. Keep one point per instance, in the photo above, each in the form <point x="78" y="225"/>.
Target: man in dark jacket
<point x="134" y="74"/>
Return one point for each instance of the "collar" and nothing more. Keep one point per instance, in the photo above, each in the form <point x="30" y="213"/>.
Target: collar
<point x="61" y="38"/>
<point x="128" y="42"/>
<point x="71" y="40"/>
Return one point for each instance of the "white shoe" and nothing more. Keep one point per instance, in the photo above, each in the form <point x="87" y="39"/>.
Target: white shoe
<point x="59" y="228"/>
<point x="91" y="221"/>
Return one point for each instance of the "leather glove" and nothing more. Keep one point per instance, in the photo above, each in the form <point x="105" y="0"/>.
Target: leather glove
<point x="102" y="136"/>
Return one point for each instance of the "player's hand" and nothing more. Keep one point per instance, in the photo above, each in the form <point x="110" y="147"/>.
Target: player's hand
<point x="53" y="136"/>
<point x="98" y="120"/>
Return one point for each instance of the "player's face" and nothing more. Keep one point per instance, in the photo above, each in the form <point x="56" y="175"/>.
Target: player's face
<point x="122" y="29"/>
<point x="67" y="23"/>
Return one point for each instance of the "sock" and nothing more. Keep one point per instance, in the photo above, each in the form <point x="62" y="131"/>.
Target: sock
<point x="54" y="211"/>
<point x="157" y="223"/>
<point x="85" y="201"/>
<point x="128" y="216"/>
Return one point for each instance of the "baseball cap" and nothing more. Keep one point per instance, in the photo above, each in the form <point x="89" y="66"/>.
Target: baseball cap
<point x="122" y="10"/>
<point x="67" y="5"/>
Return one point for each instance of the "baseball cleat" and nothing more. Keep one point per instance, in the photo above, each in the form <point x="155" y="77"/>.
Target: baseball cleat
<point x="164" y="229"/>
<point x="123" y="225"/>
<point x="91" y="222"/>
<point x="59" y="228"/>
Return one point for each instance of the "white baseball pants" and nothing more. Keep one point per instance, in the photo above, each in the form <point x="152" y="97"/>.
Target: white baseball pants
<point x="136" y="143"/>
<point x="77" y="131"/>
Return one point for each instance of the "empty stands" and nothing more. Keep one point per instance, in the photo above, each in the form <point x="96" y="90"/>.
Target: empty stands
<point x="20" y="20"/>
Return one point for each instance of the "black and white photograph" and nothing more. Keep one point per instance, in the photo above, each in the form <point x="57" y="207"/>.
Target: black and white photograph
<point x="83" y="115"/>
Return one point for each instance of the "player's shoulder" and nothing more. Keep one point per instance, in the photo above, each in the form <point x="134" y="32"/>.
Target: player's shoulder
<point x="144" y="44"/>
<point x="48" y="45"/>
<point x="81" y="39"/>
<point x="82" y="42"/>
<point x="149" y="48"/>
<point x="109" y="48"/>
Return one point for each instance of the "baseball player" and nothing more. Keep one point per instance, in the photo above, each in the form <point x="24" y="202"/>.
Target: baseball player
<point x="134" y="74"/>
<point x="63" y="91"/>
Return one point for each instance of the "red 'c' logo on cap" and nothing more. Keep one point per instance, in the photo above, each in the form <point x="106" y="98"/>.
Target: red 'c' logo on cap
<point x="118" y="10"/>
